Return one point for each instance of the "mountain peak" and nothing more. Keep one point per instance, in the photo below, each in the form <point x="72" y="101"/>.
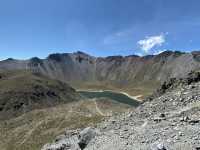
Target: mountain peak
<point x="80" y="52"/>
<point x="56" y="57"/>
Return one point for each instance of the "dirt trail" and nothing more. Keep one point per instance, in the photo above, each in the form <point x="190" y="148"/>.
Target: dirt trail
<point x="97" y="108"/>
<point x="28" y="134"/>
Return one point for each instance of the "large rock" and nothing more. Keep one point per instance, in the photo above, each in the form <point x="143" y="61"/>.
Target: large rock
<point x="161" y="147"/>
<point x="72" y="141"/>
<point x="86" y="136"/>
<point x="67" y="141"/>
<point x="67" y="144"/>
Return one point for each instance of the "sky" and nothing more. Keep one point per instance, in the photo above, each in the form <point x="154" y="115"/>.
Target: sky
<point x="99" y="27"/>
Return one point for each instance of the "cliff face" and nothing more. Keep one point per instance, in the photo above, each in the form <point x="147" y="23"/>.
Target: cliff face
<point x="132" y="72"/>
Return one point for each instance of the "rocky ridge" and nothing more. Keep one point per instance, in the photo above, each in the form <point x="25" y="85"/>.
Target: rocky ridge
<point x="133" y="74"/>
<point x="167" y="122"/>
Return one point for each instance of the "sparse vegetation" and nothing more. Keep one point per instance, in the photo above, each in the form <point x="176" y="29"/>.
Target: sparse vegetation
<point x="32" y="130"/>
<point x="28" y="120"/>
<point x="24" y="91"/>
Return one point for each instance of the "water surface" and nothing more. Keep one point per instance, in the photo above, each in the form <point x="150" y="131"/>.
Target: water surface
<point x="119" y="97"/>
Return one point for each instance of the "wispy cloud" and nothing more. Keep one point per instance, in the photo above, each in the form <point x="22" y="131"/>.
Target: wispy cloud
<point x="151" y="41"/>
<point x="118" y="37"/>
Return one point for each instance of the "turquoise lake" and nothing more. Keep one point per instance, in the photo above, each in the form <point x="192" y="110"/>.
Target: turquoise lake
<point x="119" y="97"/>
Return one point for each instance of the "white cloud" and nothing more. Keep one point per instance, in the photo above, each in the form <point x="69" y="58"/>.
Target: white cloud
<point x="149" y="42"/>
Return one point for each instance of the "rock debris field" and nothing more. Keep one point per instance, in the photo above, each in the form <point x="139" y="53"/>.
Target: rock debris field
<point x="168" y="122"/>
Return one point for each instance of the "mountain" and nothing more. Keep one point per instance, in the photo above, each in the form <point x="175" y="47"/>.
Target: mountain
<point x="132" y="74"/>
<point x="23" y="91"/>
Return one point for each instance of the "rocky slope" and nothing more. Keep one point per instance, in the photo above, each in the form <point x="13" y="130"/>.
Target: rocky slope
<point x="133" y="74"/>
<point x="168" y="122"/>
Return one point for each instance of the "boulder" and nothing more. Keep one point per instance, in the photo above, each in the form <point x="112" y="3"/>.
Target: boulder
<point x="161" y="146"/>
<point x="86" y="136"/>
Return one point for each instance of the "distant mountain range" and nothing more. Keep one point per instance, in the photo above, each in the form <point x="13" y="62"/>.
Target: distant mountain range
<point x="133" y="74"/>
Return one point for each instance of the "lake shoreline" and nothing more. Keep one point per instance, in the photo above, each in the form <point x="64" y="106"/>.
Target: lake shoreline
<point x="136" y="98"/>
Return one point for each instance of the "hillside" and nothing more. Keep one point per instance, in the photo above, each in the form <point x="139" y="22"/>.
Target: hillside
<point x="34" y="109"/>
<point x="132" y="74"/>
<point x="23" y="91"/>
<point x="33" y="129"/>
<point x="169" y="121"/>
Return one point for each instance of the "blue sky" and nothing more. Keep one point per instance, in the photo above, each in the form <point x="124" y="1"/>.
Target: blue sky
<point x="99" y="27"/>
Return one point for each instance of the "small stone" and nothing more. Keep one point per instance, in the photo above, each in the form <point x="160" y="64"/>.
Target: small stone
<point x="157" y="120"/>
<point x="194" y="121"/>
<point x="195" y="138"/>
<point x="125" y="130"/>
<point x="173" y="124"/>
<point x="113" y="121"/>
<point x="162" y="115"/>
<point x="176" y="137"/>
<point x="180" y="134"/>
